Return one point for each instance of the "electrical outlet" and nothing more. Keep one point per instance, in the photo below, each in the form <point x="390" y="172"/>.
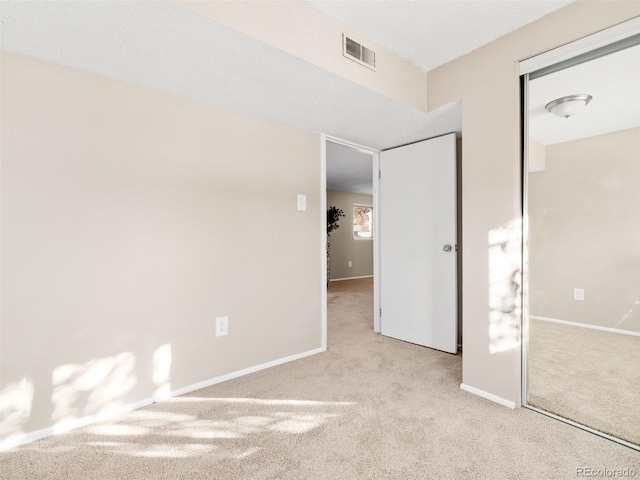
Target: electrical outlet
<point x="222" y="326"/>
<point x="350" y="264"/>
<point x="578" y="293"/>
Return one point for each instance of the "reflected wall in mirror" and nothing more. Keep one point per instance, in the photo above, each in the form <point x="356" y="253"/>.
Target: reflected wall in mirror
<point x="583" y="248"/>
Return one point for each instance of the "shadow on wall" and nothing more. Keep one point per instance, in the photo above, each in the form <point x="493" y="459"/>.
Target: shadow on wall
<point x="91" y="390"/>
<point x="504" y="287"/>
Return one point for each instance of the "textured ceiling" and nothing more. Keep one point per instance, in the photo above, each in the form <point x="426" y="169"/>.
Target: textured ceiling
<point x="349" y="170"/>
<point x="164" y="46"/>
<point x="430" y="33"/>
<point x="614" y="83"/>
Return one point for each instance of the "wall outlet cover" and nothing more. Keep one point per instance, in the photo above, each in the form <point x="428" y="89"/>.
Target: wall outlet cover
<point x="222" y="326"/>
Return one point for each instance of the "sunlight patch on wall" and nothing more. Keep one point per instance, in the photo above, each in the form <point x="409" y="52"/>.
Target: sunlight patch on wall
<point x="504" y="287"/>
<point x="16" y="401"/>
<point x="161" y="375"/>
<point x="98" y="385"/>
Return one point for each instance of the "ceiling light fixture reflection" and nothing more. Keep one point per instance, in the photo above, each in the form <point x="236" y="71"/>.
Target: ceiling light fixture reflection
<point x="569" y="105"/>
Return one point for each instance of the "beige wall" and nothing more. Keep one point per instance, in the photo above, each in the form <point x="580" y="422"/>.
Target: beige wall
<point x="130" y="220"/>
<point x="298" y="28"/>
<point x="343" y="246"/>
<point x="486" y="80"/>
<point x="584" y="231"/>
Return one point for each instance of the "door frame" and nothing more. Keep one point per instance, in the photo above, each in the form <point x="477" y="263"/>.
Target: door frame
<point x="375" y="155"/>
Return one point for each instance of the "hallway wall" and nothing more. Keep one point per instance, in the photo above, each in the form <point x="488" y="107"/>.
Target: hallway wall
<point x="343" y="246"/>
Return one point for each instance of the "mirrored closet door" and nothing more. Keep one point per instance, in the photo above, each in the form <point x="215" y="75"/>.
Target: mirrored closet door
<point x="582" y="242"/>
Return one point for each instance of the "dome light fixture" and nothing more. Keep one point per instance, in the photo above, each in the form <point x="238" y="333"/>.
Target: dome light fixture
<point x="569" y="105"/>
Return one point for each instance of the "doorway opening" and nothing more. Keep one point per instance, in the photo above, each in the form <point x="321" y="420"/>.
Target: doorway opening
<point x="351" y="246"/>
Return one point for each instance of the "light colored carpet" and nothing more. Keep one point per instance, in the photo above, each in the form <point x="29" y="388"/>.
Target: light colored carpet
<point x="369" y="408"/>
<point x="588" y="376"/>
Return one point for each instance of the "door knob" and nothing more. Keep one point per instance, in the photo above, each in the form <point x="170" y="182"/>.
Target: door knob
<point x="447" y="248"/>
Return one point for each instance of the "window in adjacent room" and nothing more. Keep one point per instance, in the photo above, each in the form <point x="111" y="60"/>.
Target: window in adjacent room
<point x="362" y="222"/>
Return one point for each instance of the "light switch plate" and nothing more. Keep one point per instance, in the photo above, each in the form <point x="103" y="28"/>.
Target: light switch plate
<point x="302" y="203"/>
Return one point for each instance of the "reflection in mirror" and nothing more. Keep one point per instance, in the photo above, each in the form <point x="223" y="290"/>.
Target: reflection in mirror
<point x="583" y="249"/>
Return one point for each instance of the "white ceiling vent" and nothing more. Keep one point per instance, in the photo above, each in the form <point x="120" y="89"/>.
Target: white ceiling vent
<point x="358" y="53"/>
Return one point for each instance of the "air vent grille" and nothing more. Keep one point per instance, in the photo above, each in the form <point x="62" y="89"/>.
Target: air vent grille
<point x="358" y="53"/>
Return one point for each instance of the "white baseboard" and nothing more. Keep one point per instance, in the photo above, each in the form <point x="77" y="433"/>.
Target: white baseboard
<point x="489" y="396"/>
<point x="349" y="278"/>
<point x="586" y="325"/>
<point x="21" y="439"/>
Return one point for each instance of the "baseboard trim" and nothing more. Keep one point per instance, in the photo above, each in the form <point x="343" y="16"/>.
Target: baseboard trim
<point x="21" y="439"/>
<point x="489" y="396"/>
<point x="349" y="278"/>
<point x="586" y="325"/>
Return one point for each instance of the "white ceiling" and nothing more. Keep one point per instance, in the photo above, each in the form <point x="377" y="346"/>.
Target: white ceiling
<point x="614" y="83"/>
<point x="349" y="170"/>
<point x="429" y="33"/>
<point x="164" y="46"/>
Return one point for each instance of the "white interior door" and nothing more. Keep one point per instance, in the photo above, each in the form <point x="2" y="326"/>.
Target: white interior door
<point x="417" y="232"/>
